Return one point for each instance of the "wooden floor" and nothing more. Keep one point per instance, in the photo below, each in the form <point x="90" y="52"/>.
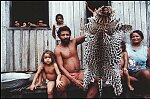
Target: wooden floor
<point x="72" y="91"/>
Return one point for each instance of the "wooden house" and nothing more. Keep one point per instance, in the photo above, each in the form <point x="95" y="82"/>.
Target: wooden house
<point x="21" y="48"/>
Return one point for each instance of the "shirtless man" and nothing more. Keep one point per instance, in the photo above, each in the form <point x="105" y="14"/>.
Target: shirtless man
<point x="68" y="60"/>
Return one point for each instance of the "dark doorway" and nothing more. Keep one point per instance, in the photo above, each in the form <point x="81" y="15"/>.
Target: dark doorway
<point x="95" y="4"/>
<point x="29" y="11"/>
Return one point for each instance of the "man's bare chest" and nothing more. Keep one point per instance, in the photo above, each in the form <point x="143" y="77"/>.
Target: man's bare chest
<point x="68" y="52"/>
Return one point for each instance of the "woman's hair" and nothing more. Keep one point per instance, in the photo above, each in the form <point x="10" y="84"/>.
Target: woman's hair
<point x="123" y="46"/>
<point x="52" y="56"/>
<point x="64" y="28"/>
<point x="59" y="15"/>
<point x="138" y="32"/>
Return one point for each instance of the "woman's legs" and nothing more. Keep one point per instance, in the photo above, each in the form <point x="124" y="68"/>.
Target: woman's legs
<point x="144" y="78"/>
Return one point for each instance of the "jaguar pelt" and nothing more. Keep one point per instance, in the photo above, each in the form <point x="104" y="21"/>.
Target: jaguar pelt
<point x="102" y="49"/>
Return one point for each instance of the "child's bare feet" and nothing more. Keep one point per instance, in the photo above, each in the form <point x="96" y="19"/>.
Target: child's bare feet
<point x="39" y="84"/>
<point x="146" y="96"/>
<point x="131" y="88"/>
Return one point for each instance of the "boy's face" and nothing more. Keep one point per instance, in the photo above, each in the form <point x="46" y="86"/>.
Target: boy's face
<point x="47" y="59"/>
<point x="59" y="19"/>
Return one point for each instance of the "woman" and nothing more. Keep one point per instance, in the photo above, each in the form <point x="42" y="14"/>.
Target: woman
<point x="139" y="59"/>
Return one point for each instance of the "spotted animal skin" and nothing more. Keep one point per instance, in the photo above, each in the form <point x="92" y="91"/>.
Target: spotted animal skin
<point x="102" y="49"/>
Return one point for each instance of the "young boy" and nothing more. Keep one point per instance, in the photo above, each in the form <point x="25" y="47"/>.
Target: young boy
<point x="51" y="70"/>
<point x="59" y="23"/>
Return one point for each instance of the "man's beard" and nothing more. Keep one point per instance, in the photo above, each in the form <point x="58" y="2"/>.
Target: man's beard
<point x="65" y="41"/>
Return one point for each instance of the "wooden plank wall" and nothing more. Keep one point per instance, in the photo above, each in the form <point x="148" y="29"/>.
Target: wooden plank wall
<point x="25" y="47"/>
<point x="148" y="21"/>
<point x="133" y="13"/>
<point x="4" y="26"/>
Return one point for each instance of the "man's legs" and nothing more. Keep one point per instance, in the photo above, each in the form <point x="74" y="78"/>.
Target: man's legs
<point x="61" y="92"/>
<point x="93" y="89"/>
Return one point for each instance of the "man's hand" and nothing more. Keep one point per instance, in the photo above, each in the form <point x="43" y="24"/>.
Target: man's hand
<point x="59" y="84"/>
<point x="79" y="83"/>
